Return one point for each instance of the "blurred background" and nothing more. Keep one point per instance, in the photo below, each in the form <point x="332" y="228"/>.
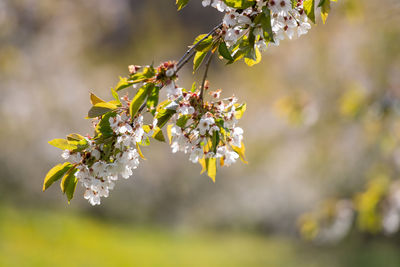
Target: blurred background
<point x="322" y="125"/>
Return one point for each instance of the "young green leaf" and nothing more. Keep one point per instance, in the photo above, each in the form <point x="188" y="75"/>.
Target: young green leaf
<point x="140" y="151"/>
<point x="95" y="99"/>
<point x="239" y="111"/>
<point x="193" y="89"/>
<point x="198" y="59"/>
<point x="240" y="4"/>
<point x="145" y="74"/>
<point x="265" y="21"/>
<point x="169" y="132"/>
<point x="181" y="3"/>
<point x="116" y="97"/>
<point x="56" y="173"/>
<point x="163" y="116"/>
<point x="205" y="45"/>
<point x="123" y="83"/>
<point x="181" y="122"/>
<point x="158" y="135"/>
<point x="215" y="141"/>
<point x="139" y="98"/>
<point x="75" y="137"/>
<point x="211" y="165"/>
<point x="202" y="162"/>
<point x="103" y="128"/>
<point x="63" y="144"/>
<point x="309" y="8"/>
<point x="325" y="6"/>
<point x="224" y="51"/>
<point x="80" y="145"/>
<point x="68" y="183"/>
<point x="253" y="57"/>
<point x="152" y="100"/>
<point x="241" y="151"/>
<point x="100" y="109"/>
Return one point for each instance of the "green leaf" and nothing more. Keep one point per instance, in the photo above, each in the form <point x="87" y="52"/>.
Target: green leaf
<point x="241" y="152"/>
<point x="116" y="97"/>
<point x="140" y="151"/>
<point x="147" y="73"/>
<point x="103" y="127"/>
<point x="164" y="113"/>
<point x="294" y="3"/>
<point x="325" y="6"/>
<point x="80" y="145"/>
<point x="252" y="38"/>
<point x="145" y="142"/>
<point x="215" y="141"/>
<point x="198" y="59"/>
<point x="253" y="57"/>
<point x="95" y="99"/>
<point x="56" y="173"/>
<point x="163" y="116"/>
<point x="211" y="166"/>
<point x="139" y="99"/>
<point x="169" y="133"/>
<point x="309" y="8"/>
<point x="181" y="3"/>
<point x="68" y="184"/>
<point x="74" y="143"/>
<point x="181" y="122"/>
<point x="205" y="45"/>
<point x="75" y="137"/>
<point x="123" y="83"/>
<point x="239" y="54"/>
<point x="239" y="110"/>
<point x="62" y="144"/>
<point x="77" y="140"/>
<point x="240" y="4"/>
<point x="243" y="50"/>
<point x="265" y="21"/>
<point x="158" y="135"/>
<point x="152" y="100"/>
<point x="224" y="51"/>
<point x="100" y="109"/>
<point x="193" y="87"/>
<point x="141" y="76"/>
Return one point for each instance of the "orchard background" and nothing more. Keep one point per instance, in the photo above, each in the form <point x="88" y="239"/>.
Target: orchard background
<point x="310" y="136"/>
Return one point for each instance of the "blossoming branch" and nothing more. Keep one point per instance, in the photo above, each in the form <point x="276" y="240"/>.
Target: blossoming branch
<point x="198" y="121"/>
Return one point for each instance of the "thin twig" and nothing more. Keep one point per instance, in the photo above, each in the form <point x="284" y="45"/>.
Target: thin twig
<point x="187" y="56"/>
<point x="183" y="59"/>
<point x="186" y="60"/>
<point x="205" y="75"/>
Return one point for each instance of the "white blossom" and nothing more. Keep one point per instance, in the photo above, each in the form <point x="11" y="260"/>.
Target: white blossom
<point x="205" y="123"/>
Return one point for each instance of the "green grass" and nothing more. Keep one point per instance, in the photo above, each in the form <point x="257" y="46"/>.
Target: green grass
<point x="44" y="239"/>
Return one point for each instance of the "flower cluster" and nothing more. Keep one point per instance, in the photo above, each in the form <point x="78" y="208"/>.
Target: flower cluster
<point x="100" y="165"/>
<point x="286" y="21"/>
<point x="205" y="130"/>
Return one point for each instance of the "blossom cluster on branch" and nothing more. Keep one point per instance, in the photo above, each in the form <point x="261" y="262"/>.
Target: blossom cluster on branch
<point x="207" y="130"/>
